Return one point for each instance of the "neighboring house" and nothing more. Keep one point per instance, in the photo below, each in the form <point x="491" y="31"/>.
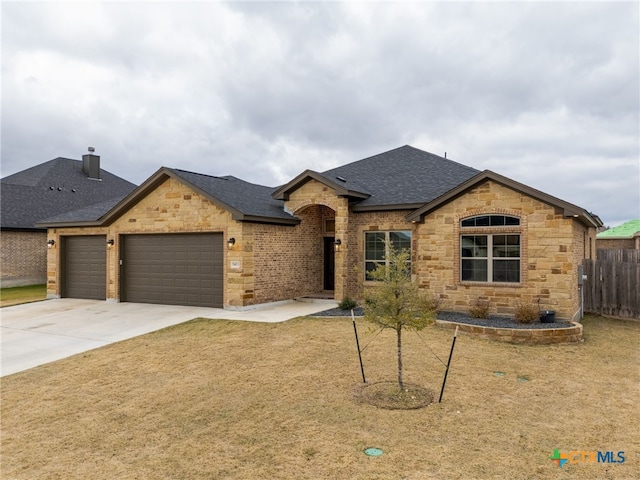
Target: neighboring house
<point x="625" y="236"/>
<point x="192" y="239"/>
<point x="48" y="189"/>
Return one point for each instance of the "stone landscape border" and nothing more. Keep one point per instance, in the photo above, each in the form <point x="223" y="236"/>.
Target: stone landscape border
<point x="538" y="336"/>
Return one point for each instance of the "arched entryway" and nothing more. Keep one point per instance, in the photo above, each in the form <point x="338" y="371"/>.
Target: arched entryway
<point x="318" y="233"/>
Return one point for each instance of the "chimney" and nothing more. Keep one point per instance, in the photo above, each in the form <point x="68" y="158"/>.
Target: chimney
<point x="91" y="164"/>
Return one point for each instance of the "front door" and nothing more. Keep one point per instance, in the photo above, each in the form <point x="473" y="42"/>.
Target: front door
<point x="329" y="263"/>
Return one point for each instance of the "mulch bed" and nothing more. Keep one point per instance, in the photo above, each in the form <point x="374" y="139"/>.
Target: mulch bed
<point x="495" y="321"/>
<point x="388" y="395"/>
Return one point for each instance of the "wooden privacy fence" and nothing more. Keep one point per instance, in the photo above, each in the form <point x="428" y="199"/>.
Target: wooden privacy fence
<point x="612" y="286"/>
<point x="618" y="255"/>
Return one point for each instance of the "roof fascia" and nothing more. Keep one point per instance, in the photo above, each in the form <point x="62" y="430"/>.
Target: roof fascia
<point x="271" y="220"/>
<point x="23" y="229"/>
<point x="71" y="224"/>
<point x="284" y="191"/>
<point x="570" y="210"/>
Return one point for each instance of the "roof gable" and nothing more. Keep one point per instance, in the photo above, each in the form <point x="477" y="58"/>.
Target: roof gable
<point x="569" y="209"/>
<point x="342" y="186"/>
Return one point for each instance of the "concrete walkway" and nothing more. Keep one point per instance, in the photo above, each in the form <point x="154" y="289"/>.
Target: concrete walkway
<point x="33" y="334"/>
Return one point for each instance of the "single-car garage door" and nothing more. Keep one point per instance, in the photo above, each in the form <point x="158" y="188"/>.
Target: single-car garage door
<point x="84" y="273"/>
<point x="173" y="269"/>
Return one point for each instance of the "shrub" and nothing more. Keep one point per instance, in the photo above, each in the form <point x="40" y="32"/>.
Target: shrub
<point x="480" y="309"/>
<point x="434" y="303"/>
<point x="527" y="313"/>
<point x="347" y="303"/>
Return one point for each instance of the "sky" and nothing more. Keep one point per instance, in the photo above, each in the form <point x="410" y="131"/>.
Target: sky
<point x="545" y="93"/>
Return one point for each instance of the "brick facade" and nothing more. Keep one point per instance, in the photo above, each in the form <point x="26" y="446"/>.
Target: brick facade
<point x="23" y="258"/>
<point x="370" y="222"/>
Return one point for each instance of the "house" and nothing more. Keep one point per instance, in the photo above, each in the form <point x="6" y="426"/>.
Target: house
<point x="193" y="239"/>
<point x="625" y="236"/>
<point x="51" y="188"/>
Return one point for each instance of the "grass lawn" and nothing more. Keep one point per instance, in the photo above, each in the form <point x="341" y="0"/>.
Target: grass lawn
<point x="214" y="399"/>
<point x="16" y="295"/>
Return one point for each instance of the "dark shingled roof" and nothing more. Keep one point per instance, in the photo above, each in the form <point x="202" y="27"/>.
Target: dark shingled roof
<point x="403" y="177"/>
<point x="52" y="188"/>
<point x="88" y="214"/>
<point x="244" y="199"/>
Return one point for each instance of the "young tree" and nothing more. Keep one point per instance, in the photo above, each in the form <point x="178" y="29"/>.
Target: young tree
<point x="396" y="302"/>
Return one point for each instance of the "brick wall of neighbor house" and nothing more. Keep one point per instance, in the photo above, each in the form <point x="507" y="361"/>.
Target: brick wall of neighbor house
<point x="23" y="258"/>
<point x="170" y="208"/>
<point x="617" y="243"/>
<point x="551" y="249"/>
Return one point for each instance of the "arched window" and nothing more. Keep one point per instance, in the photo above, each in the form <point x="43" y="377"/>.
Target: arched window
<point x="490" y="221"/>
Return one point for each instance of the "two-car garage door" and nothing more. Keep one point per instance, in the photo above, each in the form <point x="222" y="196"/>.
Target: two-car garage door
<point x="173" y="269"/>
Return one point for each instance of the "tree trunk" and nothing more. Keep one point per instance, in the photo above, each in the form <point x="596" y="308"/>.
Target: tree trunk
<point x="400" y="384"/>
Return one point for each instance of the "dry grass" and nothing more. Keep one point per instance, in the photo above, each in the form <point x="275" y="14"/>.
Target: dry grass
<point x="17" y="295"/>
<point x="222" y="400"/>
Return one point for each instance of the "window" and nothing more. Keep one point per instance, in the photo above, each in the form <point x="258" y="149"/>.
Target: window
<point x="329" y="226"/>
<point x="492" y="257"/>
<point x="375" y="247"/>
<point x="490" y="221"/>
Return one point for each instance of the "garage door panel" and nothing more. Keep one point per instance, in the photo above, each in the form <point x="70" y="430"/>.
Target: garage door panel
<point x="84" y="267"/>
<point x="177" y="269"/>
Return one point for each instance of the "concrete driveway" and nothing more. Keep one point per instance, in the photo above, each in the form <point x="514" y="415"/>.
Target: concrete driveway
<point x="37" y="333"/>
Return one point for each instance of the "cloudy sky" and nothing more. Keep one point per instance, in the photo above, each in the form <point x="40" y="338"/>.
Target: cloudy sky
<point x="546" y="93"/>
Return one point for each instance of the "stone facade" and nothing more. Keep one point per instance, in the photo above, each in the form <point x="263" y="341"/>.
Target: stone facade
<point x="169" y="208"/>
<point x="552" y="247"/>
<point x="23" y="258"/>
<point x="534" y="336"/>
<point x="270" y="262"/>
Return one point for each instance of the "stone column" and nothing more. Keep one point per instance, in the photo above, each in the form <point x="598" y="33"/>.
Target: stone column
<point x="341" y="259"/>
